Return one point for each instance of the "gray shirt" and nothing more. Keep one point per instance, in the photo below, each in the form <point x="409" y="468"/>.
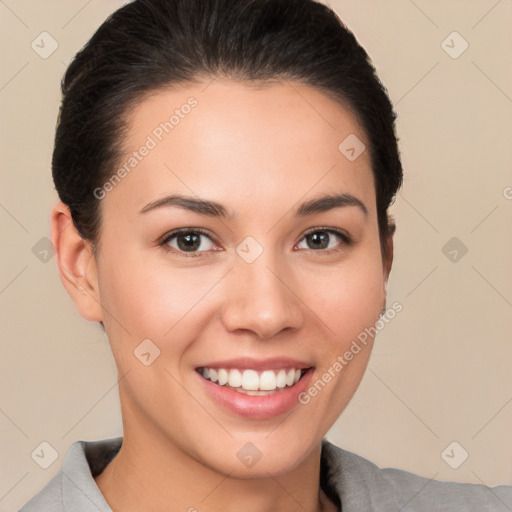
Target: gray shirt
<point x="352" y="482"/>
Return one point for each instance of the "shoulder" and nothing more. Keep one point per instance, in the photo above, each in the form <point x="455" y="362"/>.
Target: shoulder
<point x="73" y="487"/>
<point x="360" y="482"/>
<point x="49" y="498"/>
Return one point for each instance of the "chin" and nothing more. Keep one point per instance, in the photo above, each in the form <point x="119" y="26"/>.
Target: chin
<point x="256" y="456"/>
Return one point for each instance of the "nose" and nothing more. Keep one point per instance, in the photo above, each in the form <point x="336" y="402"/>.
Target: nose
<point x="261" y="298"/>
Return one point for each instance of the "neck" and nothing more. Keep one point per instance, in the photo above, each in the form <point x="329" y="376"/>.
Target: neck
<point x="150" y="473"/>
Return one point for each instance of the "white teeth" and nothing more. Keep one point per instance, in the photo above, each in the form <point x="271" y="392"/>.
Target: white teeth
<point x="268" y="380"/>
<point x="235" y="379"/>
<point x="281" y="379"/>
<point x="223" y="377"/>
<point x="250" y="381"/>
<point x="256" y="393"/>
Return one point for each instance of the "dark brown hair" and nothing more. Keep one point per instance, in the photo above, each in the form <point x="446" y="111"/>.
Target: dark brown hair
<point x="151" y="44"/>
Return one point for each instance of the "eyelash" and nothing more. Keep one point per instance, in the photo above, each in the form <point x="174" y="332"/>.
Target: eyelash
<point x="345" y="240"/>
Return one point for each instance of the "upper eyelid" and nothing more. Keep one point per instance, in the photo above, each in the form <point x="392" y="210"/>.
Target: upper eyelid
<point x="171" y="234"/>
<point x="336" y="231"/>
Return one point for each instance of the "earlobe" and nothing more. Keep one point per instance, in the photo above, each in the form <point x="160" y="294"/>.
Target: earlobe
<point x="76" y="262"/>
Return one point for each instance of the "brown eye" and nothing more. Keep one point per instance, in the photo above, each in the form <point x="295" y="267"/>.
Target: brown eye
<point x="324" y="239"/>
<point x="189" y="241"/>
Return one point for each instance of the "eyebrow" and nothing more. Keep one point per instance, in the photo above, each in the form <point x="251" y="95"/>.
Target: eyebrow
<point x="214" y="209"/>
<point x="326" y="203"/>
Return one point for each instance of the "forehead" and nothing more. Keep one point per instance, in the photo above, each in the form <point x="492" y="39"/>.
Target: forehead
<point x="235" y="141"/>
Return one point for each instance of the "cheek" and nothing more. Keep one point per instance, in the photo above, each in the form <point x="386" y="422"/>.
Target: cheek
<point x="348" y="299"/>
<point x="148" y="298"/>
<point x="349" y="303"/>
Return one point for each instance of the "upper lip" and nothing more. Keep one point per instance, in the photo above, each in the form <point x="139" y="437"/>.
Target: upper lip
<point x="249" y="363"/>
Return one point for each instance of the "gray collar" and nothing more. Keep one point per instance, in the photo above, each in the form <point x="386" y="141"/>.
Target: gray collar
<point x="344" y="477"/>
<point x="353" y="481"/>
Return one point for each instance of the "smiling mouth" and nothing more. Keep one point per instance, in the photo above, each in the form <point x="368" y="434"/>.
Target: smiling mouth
<point x="254" y="383"/>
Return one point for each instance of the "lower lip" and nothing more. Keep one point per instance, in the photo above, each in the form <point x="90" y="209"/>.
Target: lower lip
<point x="258" y="407"/>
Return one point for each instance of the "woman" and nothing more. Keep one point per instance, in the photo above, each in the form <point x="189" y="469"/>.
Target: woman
<point x="225" y="170"/>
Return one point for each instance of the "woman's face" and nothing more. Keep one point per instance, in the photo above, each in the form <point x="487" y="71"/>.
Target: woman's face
<point x="268" y="280"/>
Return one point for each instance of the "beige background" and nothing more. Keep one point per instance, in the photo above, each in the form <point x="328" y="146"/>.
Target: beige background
<point x="440" y="371"/>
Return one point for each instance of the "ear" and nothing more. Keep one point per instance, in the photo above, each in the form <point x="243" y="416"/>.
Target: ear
<point x="387" y="261"/>
<point x="77" y="266"/>
<point x="388" y="256"/>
